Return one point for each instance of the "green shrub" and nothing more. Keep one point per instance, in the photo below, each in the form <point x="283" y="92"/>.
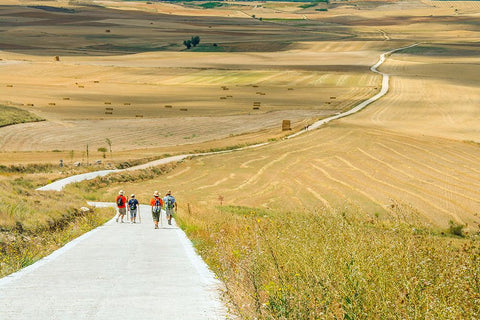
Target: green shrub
<point x="456" y="229"/>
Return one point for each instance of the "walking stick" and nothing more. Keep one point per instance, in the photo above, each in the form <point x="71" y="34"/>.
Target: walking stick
<point x="128" y="211"/>
<point x="139" y="216"/>
<point x="160" y="218"/>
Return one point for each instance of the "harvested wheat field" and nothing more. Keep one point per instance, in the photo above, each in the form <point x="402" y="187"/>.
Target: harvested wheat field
<point x="416" y="146"/>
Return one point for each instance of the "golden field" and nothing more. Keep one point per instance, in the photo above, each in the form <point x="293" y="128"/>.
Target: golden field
<point x="373" y="216"/>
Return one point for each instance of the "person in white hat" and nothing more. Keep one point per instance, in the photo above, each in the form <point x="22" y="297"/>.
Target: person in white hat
<point x="170" y="205"/>
<point x="121" y="205"/>
<point x="157" y="204"/>
<point x="133" y="207"/>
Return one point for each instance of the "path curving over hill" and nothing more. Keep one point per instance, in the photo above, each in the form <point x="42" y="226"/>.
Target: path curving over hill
<point x="60" y="184"/>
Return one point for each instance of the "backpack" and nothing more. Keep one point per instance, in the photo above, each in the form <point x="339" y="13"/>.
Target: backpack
<point x="157" y="207"/>
<point x="133" y="204"/>
<point x="120" y="201"/>
<point x="169" y="203"/>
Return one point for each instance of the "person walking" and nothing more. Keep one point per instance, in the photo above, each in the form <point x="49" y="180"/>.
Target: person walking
<point x="133" y="207"/>
<point x="157" y="204"/>
<point x="121" y="205"/>
<point x="170" y="205"/>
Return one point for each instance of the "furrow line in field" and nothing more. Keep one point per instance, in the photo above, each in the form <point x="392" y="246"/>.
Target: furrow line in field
<point x="457" y="153"/>
<point x="440" y="173"/>
<point x="417" y="177"/>
<point x="348" y="186"/>
<point x="376" y="182"/>
<point x="435" y="156"/>
<point x="443" y="189"/>
<point x="245" y="164"/>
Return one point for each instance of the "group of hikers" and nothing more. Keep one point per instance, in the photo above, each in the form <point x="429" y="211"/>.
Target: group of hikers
<point x="157" y="203"/>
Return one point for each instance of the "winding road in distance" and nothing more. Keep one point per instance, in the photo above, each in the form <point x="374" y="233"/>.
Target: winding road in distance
<point x="60" y="184"/>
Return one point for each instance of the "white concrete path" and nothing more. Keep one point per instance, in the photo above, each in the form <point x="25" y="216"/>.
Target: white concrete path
<point x="117" y="271"/>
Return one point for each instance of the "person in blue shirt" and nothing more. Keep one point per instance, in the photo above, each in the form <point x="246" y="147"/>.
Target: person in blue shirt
<point x="169" y="205"/>
<point x="133" y="207"/>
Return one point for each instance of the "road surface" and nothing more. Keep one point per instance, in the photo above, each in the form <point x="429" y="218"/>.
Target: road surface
<point x="117" y="271"/>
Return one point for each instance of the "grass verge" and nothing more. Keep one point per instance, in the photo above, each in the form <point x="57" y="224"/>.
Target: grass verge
<point x="335" y="265"/>
<point x="33" y="224"/>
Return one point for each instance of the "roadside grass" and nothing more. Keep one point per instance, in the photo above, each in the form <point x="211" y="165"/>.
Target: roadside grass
<point x="20" y="248"/>
<point x="12" y="115"/>
<point x="34" y="223"/>
<point x="336" y="264"/>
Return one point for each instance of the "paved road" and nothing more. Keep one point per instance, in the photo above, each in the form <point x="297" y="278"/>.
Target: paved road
<point x="117" y="271"/>
<point x="61" y="183"/>
<point x="383" y="91"/>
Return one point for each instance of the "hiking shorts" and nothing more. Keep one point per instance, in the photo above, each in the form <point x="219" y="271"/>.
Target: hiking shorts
<point x="156" y="216"/>
<point x="169" y="212"/>
<point x="133" y="213"/>
<point x="122" y="210"/>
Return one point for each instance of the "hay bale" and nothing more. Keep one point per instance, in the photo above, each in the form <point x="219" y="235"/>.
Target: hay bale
<point x="139" y="116"/>
<point x="168" y="106"/>
<point x="109" y="109"/>
<point x="56" y="58"/>
<point x="290" y="89"/>
<point x="286" y="125"/>
<point x="255" y="86"/>
<point x="183" y="109"/>
<point x="96" y="81"/>
<point x="81" y="86"/>
<point x="108" y="102"/>
<point x="9" y="85"/>
<point x="108" y="112"/>
<point x="256" y="108"/>
<point x="229" y="96"/>
<point x="51" y="103"/>
<point x="126" y="104"/>
<point x="107" y="30"/>
<point x="223" y="98"/>
<point x="66" y="98"/>
<point x="256" y="103"/>
<point x="333" y="97"/>
<point x="30" y="104"/>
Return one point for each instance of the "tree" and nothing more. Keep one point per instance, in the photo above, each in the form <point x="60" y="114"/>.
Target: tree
<point x="187" y="43"/>
<point x="195" y="40"/>
<point x="104" y="150"/>
<point x="109" y="142"/>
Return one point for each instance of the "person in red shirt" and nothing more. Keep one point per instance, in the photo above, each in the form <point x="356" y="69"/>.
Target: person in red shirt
<point x="121" y="202"/>
<point x="157" y="203"/>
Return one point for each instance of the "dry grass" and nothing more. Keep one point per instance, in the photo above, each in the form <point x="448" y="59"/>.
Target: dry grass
<point x="20" y="248"/>
<point x="34" y="224"/>
<point x="334" y="264"/>
<point x="12" y="115"/>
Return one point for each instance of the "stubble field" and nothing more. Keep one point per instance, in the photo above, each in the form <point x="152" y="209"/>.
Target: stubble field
<point x="372" y="216"/>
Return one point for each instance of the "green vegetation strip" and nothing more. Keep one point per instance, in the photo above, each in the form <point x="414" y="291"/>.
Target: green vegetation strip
<point x="12" y="115"/>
